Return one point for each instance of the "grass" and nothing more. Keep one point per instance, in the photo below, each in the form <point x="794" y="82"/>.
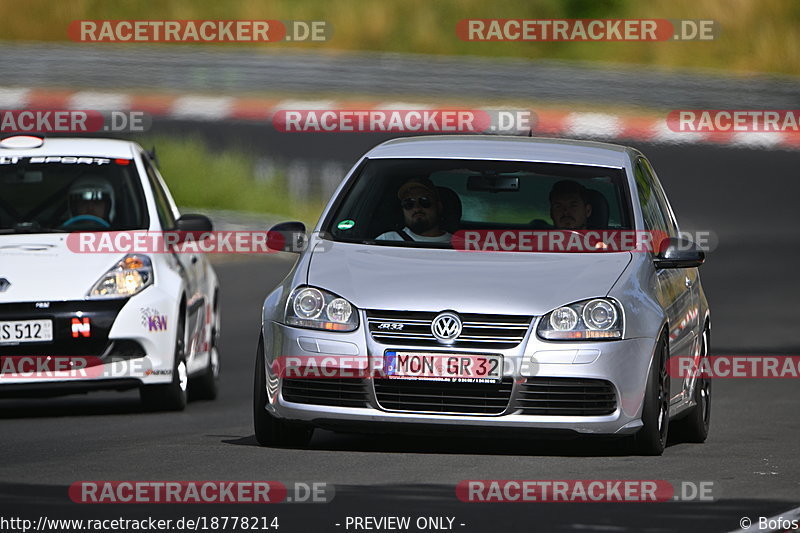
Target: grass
<point x="225" y="180"/>
<point x="756" y="35"/>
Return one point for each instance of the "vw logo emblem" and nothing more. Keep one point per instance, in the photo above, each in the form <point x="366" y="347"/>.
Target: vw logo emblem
<point x="446" y="327"/>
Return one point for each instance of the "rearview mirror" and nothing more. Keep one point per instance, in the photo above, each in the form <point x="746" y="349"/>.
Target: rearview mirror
<point x="493" y="183"/>
<point x="678" y="253"/>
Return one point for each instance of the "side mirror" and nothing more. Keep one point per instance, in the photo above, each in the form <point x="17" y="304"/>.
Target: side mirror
<point x="678" y="253"/>
<point x="194" y="223"/>
<point x="288" y="237"/>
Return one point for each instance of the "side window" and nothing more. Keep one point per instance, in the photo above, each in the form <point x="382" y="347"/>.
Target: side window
<point x="651" y="212"/>
<point x="661" y="198"/>
<point x="162" y="203"/>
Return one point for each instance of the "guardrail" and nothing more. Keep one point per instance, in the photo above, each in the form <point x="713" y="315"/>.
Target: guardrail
<point x="226" y="69"/>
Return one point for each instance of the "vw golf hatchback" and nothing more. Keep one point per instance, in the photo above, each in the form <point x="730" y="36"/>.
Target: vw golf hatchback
<point x="440" y="290"/>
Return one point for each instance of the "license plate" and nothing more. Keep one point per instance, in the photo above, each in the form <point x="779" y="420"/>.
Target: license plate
<point x="462" y="368"/>
<point x="19" y="331"/>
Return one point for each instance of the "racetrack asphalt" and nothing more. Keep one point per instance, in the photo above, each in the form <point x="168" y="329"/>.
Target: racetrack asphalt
<point x="747" y="197"/>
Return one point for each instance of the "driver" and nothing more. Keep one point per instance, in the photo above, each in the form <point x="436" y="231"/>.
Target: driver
<point x="569" y="205"/>
<point x="422" y="212"/>
<point x="90" y="198"/>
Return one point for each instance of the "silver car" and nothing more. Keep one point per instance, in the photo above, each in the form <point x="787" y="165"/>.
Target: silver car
<point x="392" y="320"/>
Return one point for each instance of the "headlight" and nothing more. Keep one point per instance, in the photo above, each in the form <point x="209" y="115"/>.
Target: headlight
<point x="599" y="315"/>
<point x="309" y="307"/>
<point x="563" y="319"/>
<point x="600" y="318"/>
<point x="130" y="275"/>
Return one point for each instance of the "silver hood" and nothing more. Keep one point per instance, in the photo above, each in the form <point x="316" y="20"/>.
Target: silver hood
<point x="400" y="278"/>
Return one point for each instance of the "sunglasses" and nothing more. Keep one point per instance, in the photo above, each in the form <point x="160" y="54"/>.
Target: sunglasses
<point x="423" y="201"/>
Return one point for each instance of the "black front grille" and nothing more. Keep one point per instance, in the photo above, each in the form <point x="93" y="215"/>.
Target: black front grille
<point x="413" y="328"/>
<point x="566" y="397"/>
<point x="100" y="313"/>
<point x="443" y="396"/>
<point x="339" y="392"/>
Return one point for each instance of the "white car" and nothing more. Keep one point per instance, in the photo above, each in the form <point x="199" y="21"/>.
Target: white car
<point x="72" y="321"/>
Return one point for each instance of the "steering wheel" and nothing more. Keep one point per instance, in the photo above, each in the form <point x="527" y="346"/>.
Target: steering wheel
<point x="86" y="218"/>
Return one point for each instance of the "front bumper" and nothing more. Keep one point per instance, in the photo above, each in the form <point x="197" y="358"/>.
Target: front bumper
<point x="622" y="365"/>
<point x="97" y="344"/>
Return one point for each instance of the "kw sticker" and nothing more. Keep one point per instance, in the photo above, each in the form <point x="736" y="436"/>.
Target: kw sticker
<point x="153" y="320"/>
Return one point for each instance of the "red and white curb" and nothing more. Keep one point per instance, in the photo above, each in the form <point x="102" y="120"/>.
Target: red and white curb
<point x="649" y="128"/>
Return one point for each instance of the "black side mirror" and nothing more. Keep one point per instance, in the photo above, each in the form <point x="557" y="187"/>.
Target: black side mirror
<point x="194" y="223"/>
<point x="288" y="237"/>
<point x="678" y="253"/>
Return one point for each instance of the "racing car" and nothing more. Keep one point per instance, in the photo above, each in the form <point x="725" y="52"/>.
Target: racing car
<point x="75" y="320"/>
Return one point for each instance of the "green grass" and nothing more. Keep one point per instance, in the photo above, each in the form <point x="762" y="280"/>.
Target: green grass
<point x="756" y="35"/>
<point x="225" y="180"/>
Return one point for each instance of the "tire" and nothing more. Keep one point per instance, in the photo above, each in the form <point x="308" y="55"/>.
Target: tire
<point x="206" y="385"/>
<point x="271" y="431"/>
<point x="171" y="396"/>
<point x="652" y="438"/>
<point x="694" y="427"/>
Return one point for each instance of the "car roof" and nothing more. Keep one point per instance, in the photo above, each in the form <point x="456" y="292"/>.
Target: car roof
<point x="69" y="146"/>
<point x="505" y="148"/>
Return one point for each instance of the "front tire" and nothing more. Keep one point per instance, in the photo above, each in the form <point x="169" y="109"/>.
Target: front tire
<point x="272" y="431"/>
<point x="652" y="438"/>
<point x="171" y="396"/>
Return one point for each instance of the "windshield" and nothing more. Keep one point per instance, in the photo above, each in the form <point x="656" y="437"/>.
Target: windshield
<point x="423" y="202"/>
<point x="65" y="194"/>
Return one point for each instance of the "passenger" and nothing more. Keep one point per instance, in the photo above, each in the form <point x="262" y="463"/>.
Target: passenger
<point x="569" y="205"/>
<point x="422" y="212"/>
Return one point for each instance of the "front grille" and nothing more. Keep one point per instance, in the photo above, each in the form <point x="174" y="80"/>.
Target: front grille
<point x="101" y="315"/>
<point x="413" y="328"/>
<point x="443" y="396"/>
<point x="340" y="392"/>
<point x="566" y="397"/>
